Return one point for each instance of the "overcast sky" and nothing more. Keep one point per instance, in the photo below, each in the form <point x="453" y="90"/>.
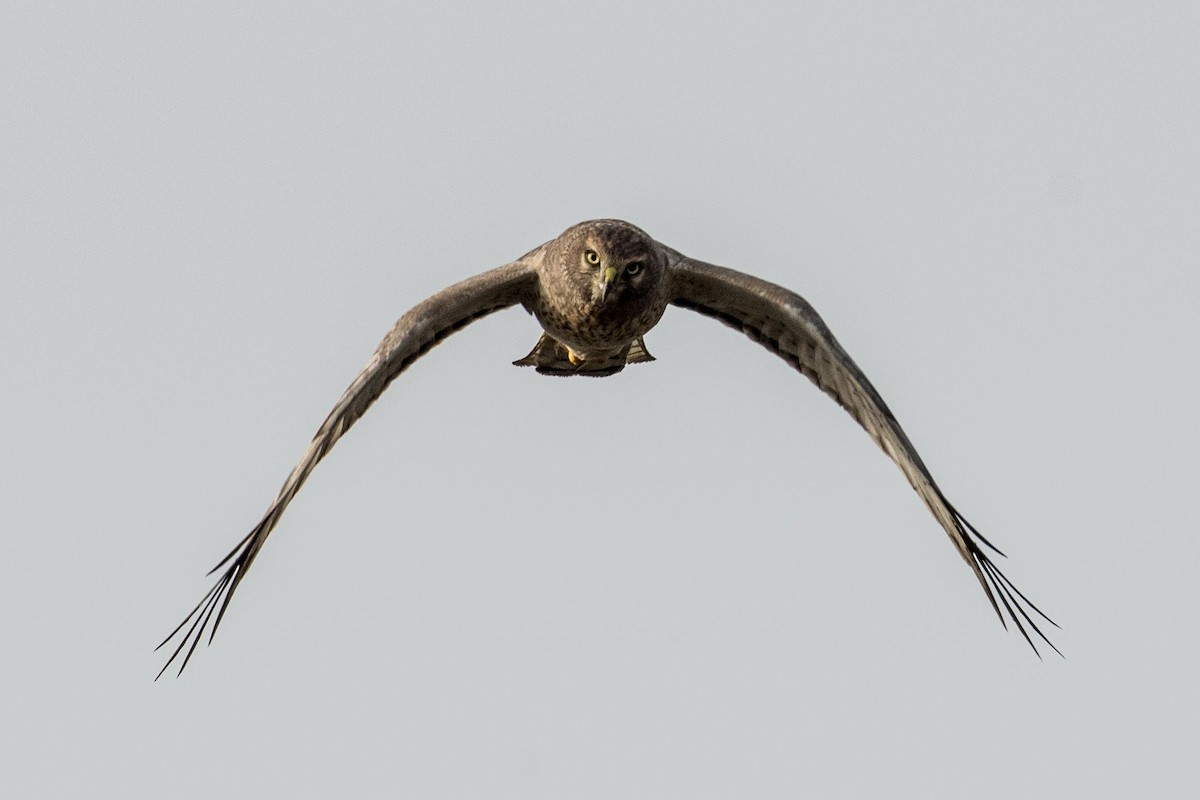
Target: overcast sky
<point x="696" y="579"/>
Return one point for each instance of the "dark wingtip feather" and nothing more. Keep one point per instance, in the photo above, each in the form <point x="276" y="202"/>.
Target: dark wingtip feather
<point x="963" y="523"/>
<point x="216" y="601"/>
<point x="1003" y="593"/>
<point x="236" y="549"/>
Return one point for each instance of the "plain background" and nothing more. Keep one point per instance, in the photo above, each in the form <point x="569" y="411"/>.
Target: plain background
<point x="696" y="579"/>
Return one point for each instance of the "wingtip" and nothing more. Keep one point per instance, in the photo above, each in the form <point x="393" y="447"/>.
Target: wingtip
<point x="198" y="620"/>
<point x="999" y="588"/>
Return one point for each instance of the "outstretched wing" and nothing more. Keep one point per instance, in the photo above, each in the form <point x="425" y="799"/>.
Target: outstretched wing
<point x="410" y="338"/>
<point x="784" y="323"/>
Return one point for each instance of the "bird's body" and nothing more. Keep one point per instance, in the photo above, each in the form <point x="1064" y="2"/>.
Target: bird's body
<point x="596" y="290"/>
<point x="596" y="323"/>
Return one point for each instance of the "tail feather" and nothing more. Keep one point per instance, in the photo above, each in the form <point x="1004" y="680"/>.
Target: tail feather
<point x="552" y="357"/>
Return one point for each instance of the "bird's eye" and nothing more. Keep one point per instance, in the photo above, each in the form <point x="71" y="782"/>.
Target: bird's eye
<point x="634" y="268"/>
<point x="591" y="257"/>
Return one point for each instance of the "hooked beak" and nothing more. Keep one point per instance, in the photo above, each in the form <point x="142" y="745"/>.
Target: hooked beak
<point x="606" y="281"/>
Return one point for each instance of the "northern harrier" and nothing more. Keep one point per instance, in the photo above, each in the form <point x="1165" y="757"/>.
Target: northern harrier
<point x="596" y="290"/>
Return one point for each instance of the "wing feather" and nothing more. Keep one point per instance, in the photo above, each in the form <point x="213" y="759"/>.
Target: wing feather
<point x="784" y="323"/>
<point x="411" y="337"/>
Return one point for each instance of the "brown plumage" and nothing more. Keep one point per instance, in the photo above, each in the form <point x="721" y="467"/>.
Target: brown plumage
<point x="596" y="290"/>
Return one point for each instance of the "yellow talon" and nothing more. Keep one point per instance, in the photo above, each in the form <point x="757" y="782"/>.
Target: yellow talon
<point x="574" y="359"/>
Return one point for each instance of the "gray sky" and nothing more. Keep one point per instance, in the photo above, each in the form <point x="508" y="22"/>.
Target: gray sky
<point x="209" y="217"/>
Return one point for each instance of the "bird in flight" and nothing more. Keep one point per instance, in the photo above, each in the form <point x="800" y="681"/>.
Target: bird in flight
<point x="597" y="290"/>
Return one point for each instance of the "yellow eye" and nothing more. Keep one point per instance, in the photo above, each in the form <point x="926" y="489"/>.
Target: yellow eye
<point x="591" y="257"/>
<point x="634" y="268"/>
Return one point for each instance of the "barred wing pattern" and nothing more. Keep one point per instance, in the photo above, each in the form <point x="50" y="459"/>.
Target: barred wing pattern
<point x="411" y="337"/>
<point x="784" y="323"/>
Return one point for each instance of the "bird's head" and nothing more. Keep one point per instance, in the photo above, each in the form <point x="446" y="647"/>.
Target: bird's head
<point x="612" y="260"/>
